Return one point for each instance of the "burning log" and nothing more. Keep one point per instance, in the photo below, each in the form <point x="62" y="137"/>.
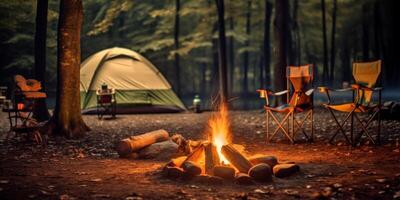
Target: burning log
<point x="173" y="172"/>
<point x="261" y="172"/>
<point x="196" y="155"/>
<point x="285" y="170"/>
<point x="135" y="143"/>
<point x="236" y="158"/>
<point x="176" y="162"/>
<point x="191" y="169"/>
<point x="270" y="160"/>
<point x="211" y="158"/>
<point x="243" y="179"/>
<point x="225" y="172"/>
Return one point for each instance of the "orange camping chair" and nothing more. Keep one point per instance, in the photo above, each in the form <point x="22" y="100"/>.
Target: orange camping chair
<point x="299" y="79"/>
<point x="365" y="75"/>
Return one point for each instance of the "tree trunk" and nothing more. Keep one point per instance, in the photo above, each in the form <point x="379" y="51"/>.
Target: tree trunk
<point x="267" y="46"/>
<point x="214" y="86"/>
<point x="325" y="44"/>
<point x="231" y="53"/>
<point x="177" y="58"/>
<point x="291" y="41"/>
<point x="345" y="59"/>
<point x="67" y="119"/>
<point x="246" y="53"/>
<point x="40" y="111"/>
<point x="333" y="48"/>
<point x="296" y="33"/>
<point x="377" y="31"/>
<point x="365" y="31"/>
<point x="281" y="39"/>
<point x="223" y="91"/>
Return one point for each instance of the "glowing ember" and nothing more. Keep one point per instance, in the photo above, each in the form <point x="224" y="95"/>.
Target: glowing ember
<point x="219" y="130"/>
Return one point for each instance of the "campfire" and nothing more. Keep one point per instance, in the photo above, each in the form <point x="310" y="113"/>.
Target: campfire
<point x="218" y="158"/>
<point x="212" y="160"/>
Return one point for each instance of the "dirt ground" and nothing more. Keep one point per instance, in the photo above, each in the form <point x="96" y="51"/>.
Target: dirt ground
<point x="90" y="168"/>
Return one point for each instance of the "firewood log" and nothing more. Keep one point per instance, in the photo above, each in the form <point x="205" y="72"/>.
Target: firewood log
<point x="177" y="162"/>
<point x="211" y="158"/>
<point x="191" y="169"/>
<point x="135" y="143"/>
<point x="225" y="172"/>
<point x="196" y="155"/>
<point x="236" y="158"/>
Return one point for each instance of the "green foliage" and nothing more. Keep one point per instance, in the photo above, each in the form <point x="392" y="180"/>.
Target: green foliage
<point x="147" y="26"/>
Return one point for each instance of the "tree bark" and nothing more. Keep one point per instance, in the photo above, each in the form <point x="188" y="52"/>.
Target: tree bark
<point x="223" y="91"/>
<point x="231" y="55"/>
<point x="296" y="33"/>
<point x="40" y="111"/>
<point x="345" y="59"/>
<point x="281" y="39"/>
<point x="267" y="46"/>
<point x="365" y="30"/>
<point x="333" y="41"/>
<point x="176" y="41"/>
<point x="246" y="53"/>
<point x="67" y="119"/>
<point x="325" y="44"/>
<point x="377" y="31"/>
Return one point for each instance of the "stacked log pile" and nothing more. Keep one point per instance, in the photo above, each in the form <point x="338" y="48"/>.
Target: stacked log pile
<point x="199" y="161"/>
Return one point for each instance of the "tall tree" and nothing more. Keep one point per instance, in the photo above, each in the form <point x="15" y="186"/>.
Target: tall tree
<point x="246" y="53"/>
<point x="281" y="39"/>
<point x="223" y="91"/>
<point x="365" y="30"/>
<point x="325" y="70"/>
<point x="333" y="43"/>
<point x="176" y="41"/>
<point x="296" y="33"/>
<point x="377" y="31"/>
<point x="41" y="112"/>
<point x="266" y="42"/>
<point x="231" y="54"/>
<point x="67" y="119"/>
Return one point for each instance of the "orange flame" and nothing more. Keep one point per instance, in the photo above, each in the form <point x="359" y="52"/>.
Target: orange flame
<point x="219" y="130"/>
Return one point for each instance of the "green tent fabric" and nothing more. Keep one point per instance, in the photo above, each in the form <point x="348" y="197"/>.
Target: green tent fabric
<point x="140" y="87"/>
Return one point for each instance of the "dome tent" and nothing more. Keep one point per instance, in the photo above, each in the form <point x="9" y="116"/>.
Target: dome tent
<point x="139" y="85"/>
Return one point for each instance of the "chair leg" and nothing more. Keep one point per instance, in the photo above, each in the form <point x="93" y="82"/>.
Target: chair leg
<point x="300" y="125"/>
<point x="312" y="126"/>
<point x="281" y="127"/>
<point x="352" y="129"/>
<point x="364" y="128"/>
<point x="340" y="126"/>
<point x="292" y="126"/>
<point x="267" y="113"/>
<point x="378" y="137"/>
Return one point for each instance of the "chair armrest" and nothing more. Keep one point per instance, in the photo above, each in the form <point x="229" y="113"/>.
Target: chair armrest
<point x="356" y="86"/>
<point x="280" y="93"/>
<point x="326" y="89"/>
<point x="264" y="94"/>
<point x="309" y="92"/>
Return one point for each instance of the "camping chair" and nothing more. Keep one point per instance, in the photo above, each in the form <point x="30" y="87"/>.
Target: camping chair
<point x="298" y="79"/>
<point x="27" y="91"/>
<point x="106" y="103"/>
<point x="365" y="76"/>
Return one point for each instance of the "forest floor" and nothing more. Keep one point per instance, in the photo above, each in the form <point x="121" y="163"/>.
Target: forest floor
<point x="90" y="168"/>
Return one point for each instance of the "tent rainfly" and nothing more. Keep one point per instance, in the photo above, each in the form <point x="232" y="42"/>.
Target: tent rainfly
<point x="139" y="86"/>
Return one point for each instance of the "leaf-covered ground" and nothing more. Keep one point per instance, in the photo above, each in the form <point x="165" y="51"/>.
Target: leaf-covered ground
<point x="90" y="168"/>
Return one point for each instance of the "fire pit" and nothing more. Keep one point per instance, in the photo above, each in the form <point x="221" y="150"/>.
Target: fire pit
<point x="218" y="159"/>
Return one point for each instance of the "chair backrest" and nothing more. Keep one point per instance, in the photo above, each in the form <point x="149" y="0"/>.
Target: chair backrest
<point x="24" y="85"/>
<point x="300" y="78"/>
<point x="366" y="74"/>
